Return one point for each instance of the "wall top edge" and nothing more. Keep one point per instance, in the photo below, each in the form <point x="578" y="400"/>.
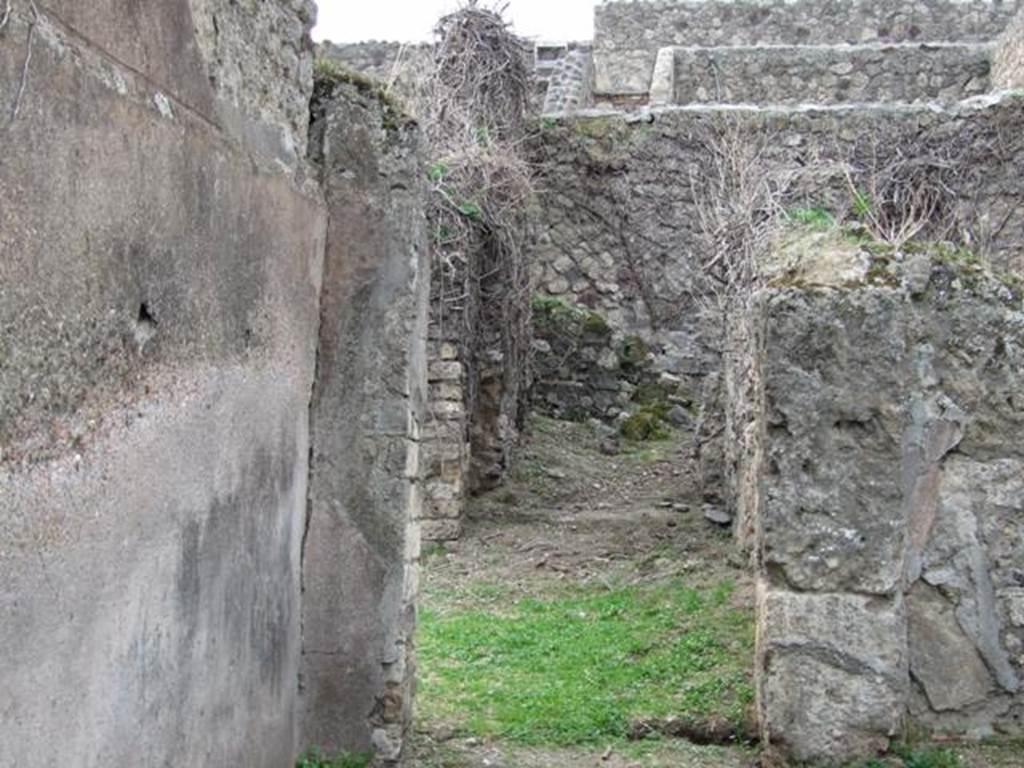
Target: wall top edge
<point x="651" y="114"/>
<point x="697" y="3"/>
<point x="825" y="47"/>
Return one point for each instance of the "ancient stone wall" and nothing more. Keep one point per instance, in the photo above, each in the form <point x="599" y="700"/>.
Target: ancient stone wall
<point x="880" y="482"/>
<point x="446" y="448"/>
<point x="621" y="196"/>
<point x="159" y="277"/>
<point x="402" y="68"/>
<point x="564" y="71"/>
<point x="1008" y="66"/>
<point x="583" y="369"/>
<point x="368" y="414"/>
<point x="567" y="87"/>
<point x="628" y="35"/>
<point x="831" y="74"/>
<point x="256" y="53"/>
<point x="477" y="383"/>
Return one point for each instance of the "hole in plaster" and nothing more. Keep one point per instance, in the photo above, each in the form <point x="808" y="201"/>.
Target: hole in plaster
<point x="145" y="325"/>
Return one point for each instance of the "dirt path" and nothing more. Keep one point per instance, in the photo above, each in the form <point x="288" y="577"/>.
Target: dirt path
<point x="573" y="518"/>
<point x="573" y="514"/>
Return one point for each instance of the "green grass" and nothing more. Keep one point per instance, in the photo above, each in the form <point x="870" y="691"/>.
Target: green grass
<point x="818" y="219"/>
<point x="315" y="759"/>
<point x="646" y="424"/>
<point x="928" y="757"/>
<point x="578" y="668"/>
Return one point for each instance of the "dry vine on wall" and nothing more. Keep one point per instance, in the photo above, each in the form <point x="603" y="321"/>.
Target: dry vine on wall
<point x="737" y="196"/>
<point x="477" y="118"/>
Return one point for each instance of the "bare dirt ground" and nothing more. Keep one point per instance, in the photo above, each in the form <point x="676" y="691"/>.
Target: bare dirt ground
<point x="572" y="514"/>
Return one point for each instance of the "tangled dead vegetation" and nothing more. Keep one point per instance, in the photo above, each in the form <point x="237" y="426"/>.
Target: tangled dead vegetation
<point x="476" y="121"/>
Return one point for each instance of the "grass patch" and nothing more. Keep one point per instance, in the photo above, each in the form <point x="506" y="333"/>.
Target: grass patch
<point x="646" y="424"/>
<point x="433" y="549"/>
<point x="928" y="757"/>
<point x="818" y="219"/>
<point x="314" y="758"/>
<point x="578" y="669"/>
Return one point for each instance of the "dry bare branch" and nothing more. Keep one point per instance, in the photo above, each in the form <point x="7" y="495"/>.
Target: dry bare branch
<point x="478" y="114"/>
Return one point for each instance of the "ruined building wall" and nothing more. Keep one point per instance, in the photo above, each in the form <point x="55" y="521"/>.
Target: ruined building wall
<point x="475" y="392"/>
<point x="620" y="201"/>
<point x="159" y="275"/>
<point x="368" y="415"/>
<point x="882" y="486"/>
<point x="1008" y="65"/>
<point x="830" y="74"/>
<point x="567" y="79"/>
<point x="445" y="455"/>
<point x="404" y="69"/>
<point x="209" y="430"/>
<point x="628" y="35"/>
<point x="446" y="445"/>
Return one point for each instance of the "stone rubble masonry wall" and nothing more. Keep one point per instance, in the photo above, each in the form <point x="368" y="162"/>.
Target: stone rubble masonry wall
<point x="881" y="481"/>
<point x="831" y="74"/>
<point x="577" y="365"/>
<point x="445" y="443"/>
<point x="368" y="417"/>
<point x="159" y="278"/>
<point x="256" y="54"/>
<point x="617" y="226"/>
<point x="628" y="35"/>
<point x="568" y="86"/>
<point x="584" y="370"/>
<point x="564" y="71"/>
<point x="1008" y="68"/>
<point x="405" y="68"/>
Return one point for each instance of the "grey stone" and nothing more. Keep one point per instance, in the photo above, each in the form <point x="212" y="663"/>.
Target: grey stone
<point x="680" y="417"/>
<point x="717" y="515"/>
<point x="835" y="695"/>
<point x="1014" y="599"/>
<point x="942" y="658"/>
<point x="1008" y="64"/>
<point x="442" y="530"/>
<point x="934" y="516"/>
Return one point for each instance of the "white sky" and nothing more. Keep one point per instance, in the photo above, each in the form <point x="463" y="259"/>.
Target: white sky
<point x="344" y="21"/>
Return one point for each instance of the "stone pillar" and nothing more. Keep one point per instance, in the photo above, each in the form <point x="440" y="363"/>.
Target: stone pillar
<point x="832" y="655"/>
<point x="445" y="446"/>
<point x="663" y="79"/>
<point x="362" y="539"/>
<point x="883" y="488"/>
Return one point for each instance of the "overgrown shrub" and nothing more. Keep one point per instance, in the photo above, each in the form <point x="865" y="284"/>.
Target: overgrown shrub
<point x="478" y="115"/>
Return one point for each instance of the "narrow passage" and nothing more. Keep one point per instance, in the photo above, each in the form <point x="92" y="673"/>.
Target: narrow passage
<point x="590" y="616"/>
